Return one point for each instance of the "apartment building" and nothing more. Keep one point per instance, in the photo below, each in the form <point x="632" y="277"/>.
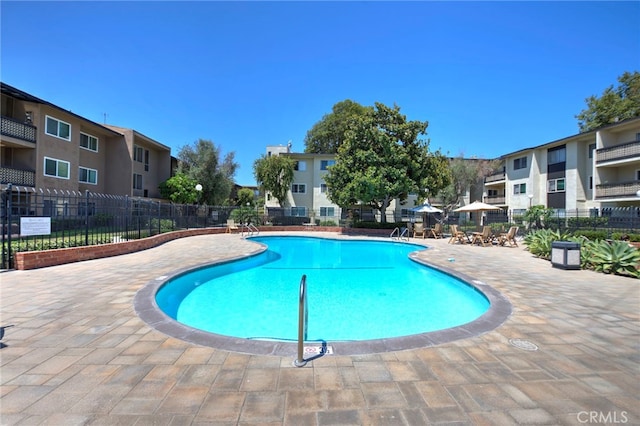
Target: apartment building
<point x="147" y="165"/>
<point x="580" y="173"/>
<point x="45" y="146"/>
<point x="308" y="196"/>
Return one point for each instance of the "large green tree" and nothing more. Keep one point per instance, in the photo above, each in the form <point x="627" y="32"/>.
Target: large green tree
<point x="381" y="159"/>
<point x="201" y="162"/>
<point x="326" y="136"/>
<point x="615" y="104"/>
<point x="274" y="173"/>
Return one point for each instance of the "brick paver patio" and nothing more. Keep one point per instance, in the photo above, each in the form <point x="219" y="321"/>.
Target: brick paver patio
<point x="78" y="353"/>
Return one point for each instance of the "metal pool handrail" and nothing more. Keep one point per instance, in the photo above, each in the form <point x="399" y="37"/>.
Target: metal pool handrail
<point x="400" y="234"/>
<point x="303" y="316"/>
<point x="251" y="229"/>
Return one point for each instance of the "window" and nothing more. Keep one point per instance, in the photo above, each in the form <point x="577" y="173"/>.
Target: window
<point x="520" y="188"/>
<point x="520" y="163"/>
<point x="56" y="168"/>
<point x="323" y="188"/>
<point x="298" y="188"/>
<point x="326" y="163"/>
<point x="492" y="192"/>
<point x="300" y="166"/>
<point x="137" y="181"/>
<point x="137" y="153"/>
<point x="57" y="128"/>
<point x="555" y="185"/>
<point x="637" y="174"/>
<point x="88" y="142"/>
<point x="592" y="147"/>
<point x="88" y="175"/>
<point x="298" y="211"/>
<point x="327" y="211"/>
<point x="590" y="182"/>
<point x="557" y="155"/>
<point x="146" y="160"/>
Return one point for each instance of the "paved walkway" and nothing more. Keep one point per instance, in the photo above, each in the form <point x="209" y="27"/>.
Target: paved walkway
<point x="78" y="354"/>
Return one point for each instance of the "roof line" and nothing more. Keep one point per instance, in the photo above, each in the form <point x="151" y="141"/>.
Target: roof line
<point x="20" y="94"/>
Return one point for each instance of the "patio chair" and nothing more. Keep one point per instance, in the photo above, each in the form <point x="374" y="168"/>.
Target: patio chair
<point x="485" y="237"/>
<point x="418" y="229"/>
<point x="457" y="235"/>
<point x="231" y="226"/>
<point x="508" y="237"/>
<point x="436" y="231"/>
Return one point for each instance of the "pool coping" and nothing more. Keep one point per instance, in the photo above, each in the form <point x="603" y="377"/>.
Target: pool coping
<point x="146" y="308"/>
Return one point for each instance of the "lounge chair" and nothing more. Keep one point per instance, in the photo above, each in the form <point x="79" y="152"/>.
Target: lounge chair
<point x="508" y="237"/>
<point x="231" y="226"/>
<point x="485" y="237"/>
<point x="436" y="231"/>
<point x="418" y="229"/>
<point x="457" y="235"/>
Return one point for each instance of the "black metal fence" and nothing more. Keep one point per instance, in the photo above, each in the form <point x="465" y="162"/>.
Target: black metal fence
<point x="46" y="219"/>
<point x="73" y="219"/>
<point x="606" y="219"/>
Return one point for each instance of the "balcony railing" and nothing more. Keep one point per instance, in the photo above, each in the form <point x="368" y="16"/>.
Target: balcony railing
<point x="17" y="177"/>
<point x="618" y="152"/>
<point x="495" y="200"/>
<point x="618" y="190"/>
<point x="496" y="177"/>
<point x="17" y="129"/>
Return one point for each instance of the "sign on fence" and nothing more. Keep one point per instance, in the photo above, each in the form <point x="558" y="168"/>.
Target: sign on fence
<point x="35" y="226"/>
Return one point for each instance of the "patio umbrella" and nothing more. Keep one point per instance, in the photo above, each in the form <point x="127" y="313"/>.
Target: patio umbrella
<point x="425" y="209"/>
<point x="476" y="206"/>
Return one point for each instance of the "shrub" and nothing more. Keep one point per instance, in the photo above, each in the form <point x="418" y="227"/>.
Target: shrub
<point x="591" y="235"/>
<point x="611" y="257"/>
<point x="615" y="257"/>
<point x="634" y="238"/>
<point x="586" y="222"/>
<point x="328" y="223"/>
<point x="539" y="242"/>
<point x="245" y="215"/>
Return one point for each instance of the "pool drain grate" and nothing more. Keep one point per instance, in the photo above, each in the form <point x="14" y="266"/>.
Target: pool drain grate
<point x="523" y="344"/>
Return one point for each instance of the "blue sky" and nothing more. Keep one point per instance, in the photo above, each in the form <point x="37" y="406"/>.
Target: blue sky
<point x="489" y="77"/>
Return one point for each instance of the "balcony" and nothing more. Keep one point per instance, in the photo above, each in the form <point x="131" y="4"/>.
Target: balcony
<point x="620" y="152"/>
<point x="500" y="201"/>
<point x="17" y="177"/>
<point x="618" y="190"/>
<point x="496" y="177"/>
<point x="17" y="129"/>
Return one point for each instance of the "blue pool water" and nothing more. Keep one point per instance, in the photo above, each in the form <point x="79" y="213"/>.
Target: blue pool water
<point x="356" y="290"/>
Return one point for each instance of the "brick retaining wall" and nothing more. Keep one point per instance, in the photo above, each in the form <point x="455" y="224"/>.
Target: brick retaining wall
<point x="40" y="259"/>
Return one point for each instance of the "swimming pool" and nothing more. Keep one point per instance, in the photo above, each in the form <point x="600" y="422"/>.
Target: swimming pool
<point x="358" y="290"/>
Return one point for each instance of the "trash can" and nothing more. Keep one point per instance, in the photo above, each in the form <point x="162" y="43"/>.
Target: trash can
<point x="565" y="255"/>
